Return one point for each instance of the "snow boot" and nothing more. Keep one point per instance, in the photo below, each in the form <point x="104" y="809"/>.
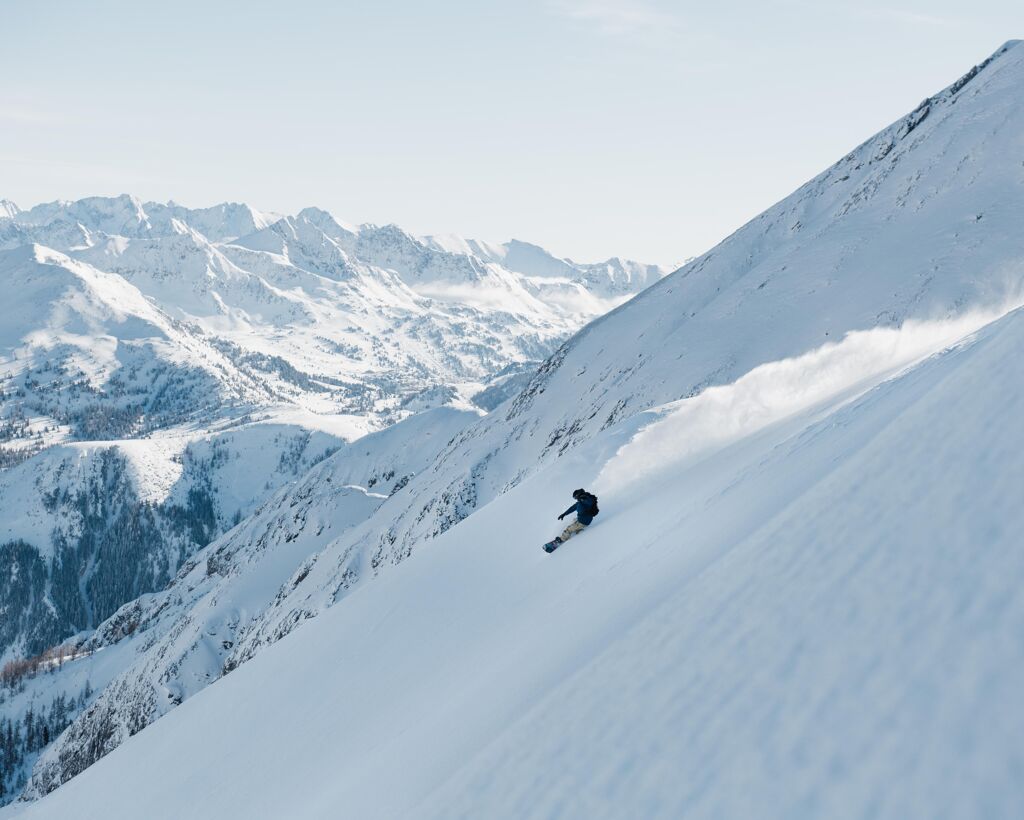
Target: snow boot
<point x="551" y="546"/>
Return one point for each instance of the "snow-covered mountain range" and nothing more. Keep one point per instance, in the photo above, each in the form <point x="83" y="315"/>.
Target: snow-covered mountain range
<point x="164" y="369"/>
<point x="799" y="599"/>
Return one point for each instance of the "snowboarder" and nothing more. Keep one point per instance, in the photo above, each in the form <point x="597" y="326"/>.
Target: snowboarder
<point x="585" y="509"/>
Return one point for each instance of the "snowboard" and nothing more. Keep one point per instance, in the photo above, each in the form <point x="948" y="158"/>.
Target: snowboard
<point x="551" y="546"/>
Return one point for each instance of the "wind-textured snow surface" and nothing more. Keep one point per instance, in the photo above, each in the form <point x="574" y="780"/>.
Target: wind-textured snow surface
<point x="800" y="596"/>
<point x="820" y="619"/>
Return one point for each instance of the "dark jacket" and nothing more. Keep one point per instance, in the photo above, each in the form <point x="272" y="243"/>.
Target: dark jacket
<point x="584" y="509"/>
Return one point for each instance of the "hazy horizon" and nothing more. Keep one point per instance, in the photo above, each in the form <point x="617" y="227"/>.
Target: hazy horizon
<point x="591" y="127"/>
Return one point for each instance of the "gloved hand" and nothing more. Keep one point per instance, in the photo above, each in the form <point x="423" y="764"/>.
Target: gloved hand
<point x="561" y="516"/>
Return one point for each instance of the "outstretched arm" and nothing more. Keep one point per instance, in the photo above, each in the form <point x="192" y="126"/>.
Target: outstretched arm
<point x="572" y="509"/>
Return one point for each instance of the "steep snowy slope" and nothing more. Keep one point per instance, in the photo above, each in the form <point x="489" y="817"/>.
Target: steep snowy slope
<point x="819" y="618"/>
<point x="920" y="222"/>
<point x="174" y="642"/>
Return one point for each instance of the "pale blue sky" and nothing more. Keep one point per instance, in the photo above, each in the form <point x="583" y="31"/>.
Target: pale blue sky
<point x="594" y="127"/>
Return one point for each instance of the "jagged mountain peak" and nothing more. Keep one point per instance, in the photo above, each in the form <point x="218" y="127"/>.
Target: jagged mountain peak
<point x="327" y="222"/>
<point x="119" y="215"/>
<point x="221" y="222"/>
<point x="127" y="215"/>
<point x="427" y="261"/>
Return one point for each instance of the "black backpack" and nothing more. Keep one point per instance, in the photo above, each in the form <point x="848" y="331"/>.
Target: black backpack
<point x="591" y="500"/>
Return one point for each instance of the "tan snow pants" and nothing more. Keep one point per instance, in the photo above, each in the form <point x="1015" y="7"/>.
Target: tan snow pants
<point x="571" y="530"/>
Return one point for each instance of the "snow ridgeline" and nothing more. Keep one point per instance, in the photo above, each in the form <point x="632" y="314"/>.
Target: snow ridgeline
<point x="802" y="625"/>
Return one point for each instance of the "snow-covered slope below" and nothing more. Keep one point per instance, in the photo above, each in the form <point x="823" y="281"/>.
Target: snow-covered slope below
<point x="188" y="635"/>
<point x="816" y="617"/>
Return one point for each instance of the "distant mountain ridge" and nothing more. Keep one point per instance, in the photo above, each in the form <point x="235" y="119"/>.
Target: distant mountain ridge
<point x="130" y="217"/>
<point x="150" y="345"/>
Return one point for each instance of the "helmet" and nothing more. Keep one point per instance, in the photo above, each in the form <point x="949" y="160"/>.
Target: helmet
<point x="578" y="493"/>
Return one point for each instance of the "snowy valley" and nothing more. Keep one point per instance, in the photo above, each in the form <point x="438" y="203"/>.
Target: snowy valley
<point x="801" y="597"/>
